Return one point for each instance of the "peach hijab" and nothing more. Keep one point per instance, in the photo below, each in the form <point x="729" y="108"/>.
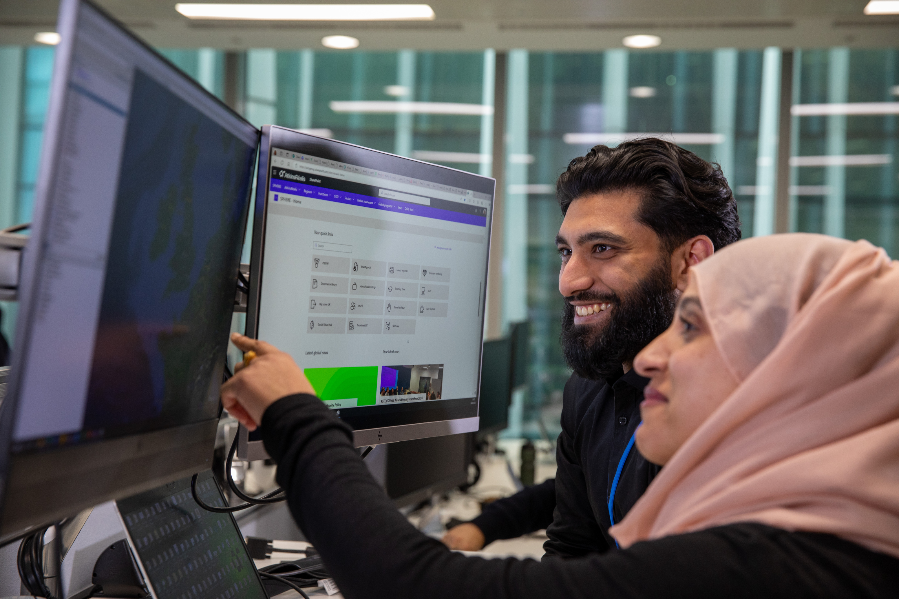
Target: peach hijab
<point x="809" y="441"/>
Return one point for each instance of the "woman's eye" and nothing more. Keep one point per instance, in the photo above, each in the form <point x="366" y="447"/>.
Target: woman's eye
<point x="687" y="327"/>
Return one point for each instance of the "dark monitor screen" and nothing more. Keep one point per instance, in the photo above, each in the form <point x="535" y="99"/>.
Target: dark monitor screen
<point x="496" y="385"/>
<point x="417" y="469"/>
<point x="128" y="279"/>
<point x="185" y="551"/>
<point x="370" y="270"/>
<point x="520" y="335"/>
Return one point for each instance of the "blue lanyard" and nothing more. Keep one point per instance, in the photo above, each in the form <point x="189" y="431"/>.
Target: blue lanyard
<point x="621" y="462"/>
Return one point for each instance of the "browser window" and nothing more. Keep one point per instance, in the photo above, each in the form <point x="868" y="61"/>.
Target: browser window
<point x="373" y="281"/>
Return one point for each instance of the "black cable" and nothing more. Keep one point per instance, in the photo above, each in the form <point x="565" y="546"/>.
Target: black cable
<point x="366" y="451"/>
<point x="250" y="501"/>
<point x="292" y="585"/>
<point x="265" y="499"/>
<point x="30" y="564"/>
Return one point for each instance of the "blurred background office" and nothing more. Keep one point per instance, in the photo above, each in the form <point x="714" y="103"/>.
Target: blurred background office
<point x="797" y="100"/>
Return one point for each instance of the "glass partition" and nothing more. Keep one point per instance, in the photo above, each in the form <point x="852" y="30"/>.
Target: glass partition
<point x="439" y="107"/>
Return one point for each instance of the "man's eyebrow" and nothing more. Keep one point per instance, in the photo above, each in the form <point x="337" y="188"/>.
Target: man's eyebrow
<point x="593" y="236"/>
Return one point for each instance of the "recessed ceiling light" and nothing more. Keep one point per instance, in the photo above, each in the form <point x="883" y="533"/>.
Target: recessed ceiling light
<point x="308" y="12"/>
<point x="642" y="91"/>
<point x="882" y="7"/>
<point x="51" y="38"/>
<point x="396" y="90"/>
<point x="642" y="41"/>
<point x="340" y="42"/>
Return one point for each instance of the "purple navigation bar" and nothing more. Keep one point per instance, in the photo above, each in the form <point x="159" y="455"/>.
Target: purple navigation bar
<point x="355" y="199"/>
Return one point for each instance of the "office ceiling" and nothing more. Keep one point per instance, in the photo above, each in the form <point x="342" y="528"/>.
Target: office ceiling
<point x="561" y="25"/>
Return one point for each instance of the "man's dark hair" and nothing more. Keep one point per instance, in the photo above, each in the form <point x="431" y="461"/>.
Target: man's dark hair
<point x="682" y="195"/>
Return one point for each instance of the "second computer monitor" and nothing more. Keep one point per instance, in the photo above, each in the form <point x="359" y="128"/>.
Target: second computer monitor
<point x="371" y="270"/>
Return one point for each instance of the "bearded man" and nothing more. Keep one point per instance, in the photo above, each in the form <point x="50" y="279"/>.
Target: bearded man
<point x="636" y="217"/>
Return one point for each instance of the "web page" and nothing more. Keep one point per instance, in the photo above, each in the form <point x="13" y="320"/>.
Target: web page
<point x="374" y="282"/>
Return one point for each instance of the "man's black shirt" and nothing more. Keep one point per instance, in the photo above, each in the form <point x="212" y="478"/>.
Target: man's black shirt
<point x="598" y="420"/>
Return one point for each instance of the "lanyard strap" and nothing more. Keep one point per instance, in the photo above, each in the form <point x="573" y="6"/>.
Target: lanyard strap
<point x="627" y="451"/>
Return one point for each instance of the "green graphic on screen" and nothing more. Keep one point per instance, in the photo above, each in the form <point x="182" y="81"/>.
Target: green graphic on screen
<point x="348" y="382"/>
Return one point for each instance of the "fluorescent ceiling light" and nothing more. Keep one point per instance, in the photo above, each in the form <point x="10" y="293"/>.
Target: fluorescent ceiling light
<point x="882" y="7"/>
<point x="533" y="189"/>
<point x="796" y="190"/>
<point x="468" y="157"/>
<point x="340" y="42"/>
<point x="51" y="38"/>
<point x="850" y="160"/>
<point x="390" y="107"/>
<point x="457" y="157"/>
<point x="642" y="41"/>
<point x="642" y="91"/>
<point x="853" y="108"/>
<point x="308" y="12"/>
<point x="699" y="139"/>
<point x="396" y="90"/>
<point x="318" y="132"/>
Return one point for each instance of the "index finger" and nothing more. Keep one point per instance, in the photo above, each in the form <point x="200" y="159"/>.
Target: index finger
<point x="245" y="344"/>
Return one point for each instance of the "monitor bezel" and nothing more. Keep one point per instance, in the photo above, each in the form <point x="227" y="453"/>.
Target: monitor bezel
<point x="288" y="139"/>
<point x="193" y="443"/>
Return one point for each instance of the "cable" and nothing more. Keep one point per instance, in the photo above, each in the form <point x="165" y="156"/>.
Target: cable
<point x="292" y="585"/>
<point x="366" y="451"/>
<point x="265" y="499"/>
<point x="30" y="563"/>
<point x="250" y="501"/>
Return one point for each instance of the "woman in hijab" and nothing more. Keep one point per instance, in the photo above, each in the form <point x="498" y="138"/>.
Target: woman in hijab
<point x="772" y="405"/>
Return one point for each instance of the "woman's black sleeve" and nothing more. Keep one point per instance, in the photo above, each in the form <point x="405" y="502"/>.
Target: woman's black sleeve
<point x="372" y="551"/>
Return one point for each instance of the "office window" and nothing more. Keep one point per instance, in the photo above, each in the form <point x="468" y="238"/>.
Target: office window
<point x="425" y="105"/>
<point x="561" y="105"/>
<point x="438" y="107"/>
<point x="845" y="156"/>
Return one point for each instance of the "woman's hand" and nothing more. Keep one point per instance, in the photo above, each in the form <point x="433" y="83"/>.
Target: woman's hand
<point x="265" y="379"/>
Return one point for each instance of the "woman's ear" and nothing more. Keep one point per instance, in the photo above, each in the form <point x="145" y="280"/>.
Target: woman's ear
<point x="691" y="252"/>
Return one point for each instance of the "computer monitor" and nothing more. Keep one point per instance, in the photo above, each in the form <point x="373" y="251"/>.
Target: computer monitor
<point x="128" y="279"/>
<point x="496" y="386"/>
<point x="413" y="471"/>
<point x="520" y="334"/>
<point x="371" y="271"/>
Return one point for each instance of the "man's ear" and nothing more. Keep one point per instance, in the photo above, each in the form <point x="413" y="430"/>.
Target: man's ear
<point x="691" y="252"/>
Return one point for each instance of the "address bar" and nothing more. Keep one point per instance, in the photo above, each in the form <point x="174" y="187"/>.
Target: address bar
<point x="404" y="197"/>
<point x="369" y="180"/>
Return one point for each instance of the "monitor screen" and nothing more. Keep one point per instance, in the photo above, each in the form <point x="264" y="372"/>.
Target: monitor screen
<point x="413" y="471"/>
<point x="418" y="469"/>
<point x="370" y="270"/>
<point x="496" y="385"/>
<point x="128" y="280"/>
<point x="184" y="551"/>
<point x="520" y="334"/>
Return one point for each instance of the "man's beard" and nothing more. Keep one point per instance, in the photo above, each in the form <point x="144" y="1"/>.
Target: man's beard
<point x="635" y="319"/>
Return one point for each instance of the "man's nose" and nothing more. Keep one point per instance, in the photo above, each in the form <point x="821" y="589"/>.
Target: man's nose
<point x="574" y="277"/>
